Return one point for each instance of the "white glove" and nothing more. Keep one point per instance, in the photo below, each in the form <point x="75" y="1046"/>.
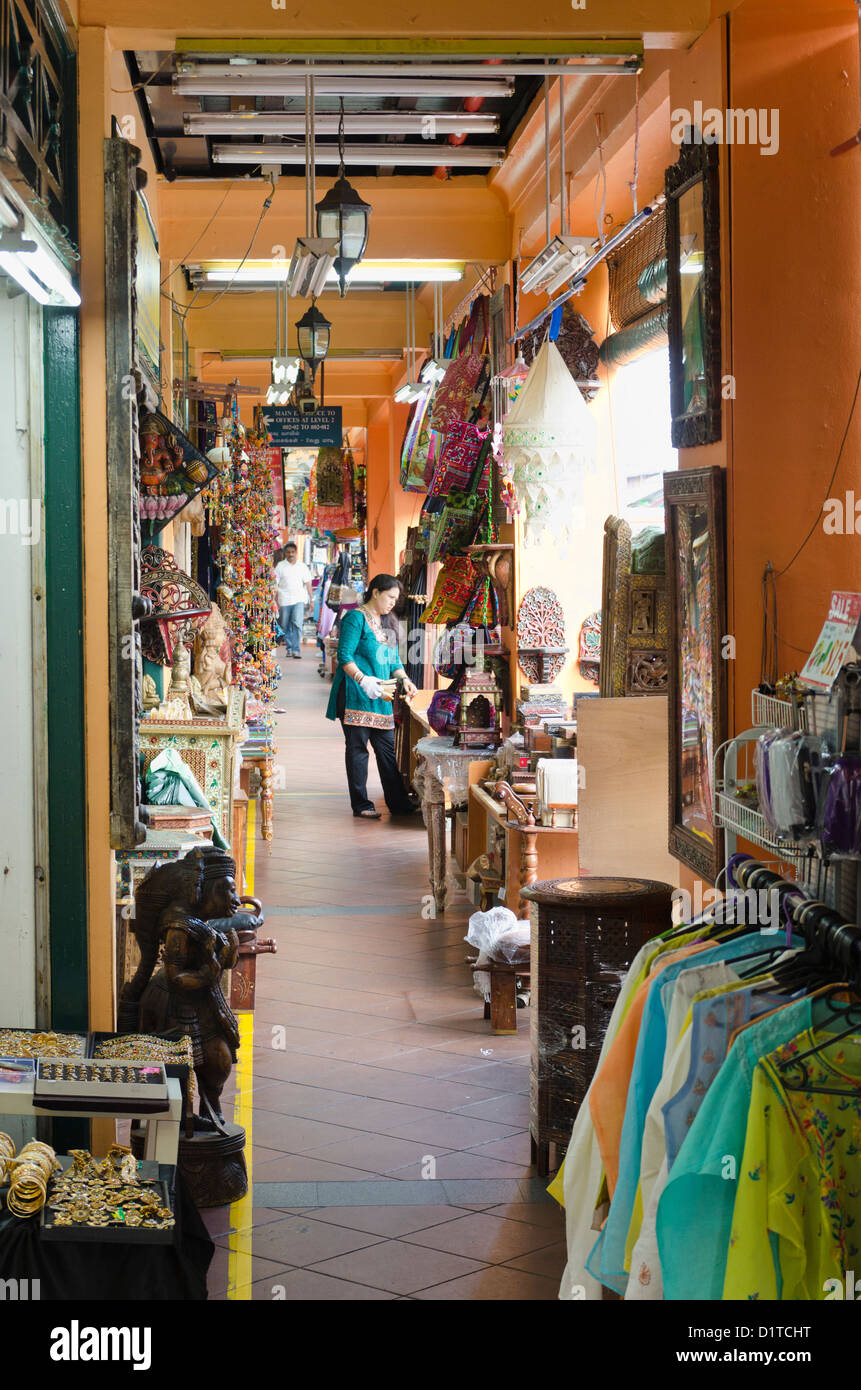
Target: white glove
<point x="371" y="687"/>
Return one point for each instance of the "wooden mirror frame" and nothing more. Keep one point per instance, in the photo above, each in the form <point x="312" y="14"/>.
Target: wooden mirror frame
<point x="697" y="162"/>
<point x="696" y="487"/>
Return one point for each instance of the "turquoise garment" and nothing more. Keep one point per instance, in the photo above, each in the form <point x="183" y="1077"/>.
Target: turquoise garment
<point x="712" y="1025"/>
<point x="358" y="642"/>
<point x="607" y="1260"/>
<point x="695" y="1211"/>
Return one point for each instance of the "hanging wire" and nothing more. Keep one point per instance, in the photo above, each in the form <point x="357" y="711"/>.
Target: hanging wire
<point x="601" y="179"/>
<point x="342" y="166"/>
<point x="636" y="178"/>
<point x="768" y="672"/>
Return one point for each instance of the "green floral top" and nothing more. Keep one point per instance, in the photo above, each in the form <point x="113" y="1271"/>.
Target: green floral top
<point x="797" y="1219"/>
<point x="374" y="657"/>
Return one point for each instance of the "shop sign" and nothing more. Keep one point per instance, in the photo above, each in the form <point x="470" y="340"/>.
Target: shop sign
<point x="833" y="645"/>
<point x="288" y="429"/>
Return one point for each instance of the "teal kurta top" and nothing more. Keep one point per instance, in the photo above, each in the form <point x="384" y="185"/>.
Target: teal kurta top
<point x="359" y="643"/>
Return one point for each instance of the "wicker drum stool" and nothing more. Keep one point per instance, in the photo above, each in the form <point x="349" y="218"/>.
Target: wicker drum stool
<point x="585" y="934"/>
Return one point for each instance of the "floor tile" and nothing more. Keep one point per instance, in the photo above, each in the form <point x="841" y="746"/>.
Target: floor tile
<point x="309" y="1286"/>
<point x="549" y="1261"/>
<point x="491" y="1239"/>
<point x="401" y="1268"/>
<point x="496" y="1282"/>
<point x="298" y="1242"/>
<point x="386" y="1221"/>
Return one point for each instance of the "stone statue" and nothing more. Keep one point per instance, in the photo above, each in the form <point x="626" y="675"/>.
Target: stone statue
<point x="212" y="654"/>
<point x="183" y="991"/>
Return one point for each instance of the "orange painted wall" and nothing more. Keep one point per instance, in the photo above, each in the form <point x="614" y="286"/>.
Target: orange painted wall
<point x="796" y="303"/>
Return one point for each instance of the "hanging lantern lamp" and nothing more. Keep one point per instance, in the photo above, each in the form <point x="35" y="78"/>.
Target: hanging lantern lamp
<point x="313" y="329"/>
<point x="343" y="216"/>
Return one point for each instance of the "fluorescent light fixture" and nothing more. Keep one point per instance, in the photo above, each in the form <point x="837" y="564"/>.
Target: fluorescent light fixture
<point x="432" y="372"/>
<point x="310" y="267"/>
<point x="263" y="84"/>
<point x="366" y="272"/>
<point x="36" y="268"/>
<point x="613" y="57"/>
<point x="554" y="265"/>
<point x="427" y="124"/>
<point x="410" y="391"/>
<point x="468" y="156"/>
<point x="13" y="264"/>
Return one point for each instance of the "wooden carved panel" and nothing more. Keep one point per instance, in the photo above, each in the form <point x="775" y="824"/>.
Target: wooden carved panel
<point x="125" y="605"/>
<point x="540" y="635"/>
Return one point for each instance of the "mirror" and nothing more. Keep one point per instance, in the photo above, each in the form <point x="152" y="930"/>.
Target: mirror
<point x="693" y="294"/>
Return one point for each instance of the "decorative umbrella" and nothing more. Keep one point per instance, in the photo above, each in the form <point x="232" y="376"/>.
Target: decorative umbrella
<point x="549" y="444"/>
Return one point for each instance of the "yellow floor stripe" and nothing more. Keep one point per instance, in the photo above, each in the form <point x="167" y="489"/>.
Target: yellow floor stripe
<point x="239" y="1265"/>
<point x="250" y="842"/>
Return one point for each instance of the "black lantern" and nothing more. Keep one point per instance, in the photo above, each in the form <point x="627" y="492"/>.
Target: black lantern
<point x="343" y="216"/>
<point x="313" y="330"/>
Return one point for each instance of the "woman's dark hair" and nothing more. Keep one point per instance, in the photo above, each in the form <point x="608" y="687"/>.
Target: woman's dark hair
<point x="382" y="583"/>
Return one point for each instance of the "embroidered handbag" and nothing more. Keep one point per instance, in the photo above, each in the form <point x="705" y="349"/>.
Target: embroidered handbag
<point x="454" y="585"/>
<point x="443" y="711"/>
<point x="459" y="520"/>
<point x="463" y="390"/>
<point x="421" y="448"/>
<point x="464" y="445"/>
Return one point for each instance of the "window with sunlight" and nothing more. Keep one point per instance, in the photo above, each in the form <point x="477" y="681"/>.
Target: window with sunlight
<point x="640" y="398"/>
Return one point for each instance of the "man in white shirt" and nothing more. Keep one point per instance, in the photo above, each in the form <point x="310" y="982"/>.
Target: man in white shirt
<point x="293" y="581"/>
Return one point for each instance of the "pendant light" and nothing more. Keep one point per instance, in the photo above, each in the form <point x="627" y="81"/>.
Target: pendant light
<point x="343" y="216"/>
<point x="313" y="330"/>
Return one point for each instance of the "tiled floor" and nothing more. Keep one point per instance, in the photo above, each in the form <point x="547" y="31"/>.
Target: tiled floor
<point x="390" y="1148"/>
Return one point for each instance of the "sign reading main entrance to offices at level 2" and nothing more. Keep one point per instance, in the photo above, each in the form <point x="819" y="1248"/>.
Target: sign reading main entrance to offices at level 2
<point x="288" y="429"/>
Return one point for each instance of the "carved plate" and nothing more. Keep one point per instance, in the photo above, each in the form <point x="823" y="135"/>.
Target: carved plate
<point x="540" y="623"/>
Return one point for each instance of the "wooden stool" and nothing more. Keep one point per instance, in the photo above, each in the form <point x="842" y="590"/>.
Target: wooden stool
<point x="501" y="1008"/>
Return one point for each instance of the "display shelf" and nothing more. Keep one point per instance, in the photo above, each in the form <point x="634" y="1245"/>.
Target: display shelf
<point x="740" y="819"/>
<point x="768" y="711"/>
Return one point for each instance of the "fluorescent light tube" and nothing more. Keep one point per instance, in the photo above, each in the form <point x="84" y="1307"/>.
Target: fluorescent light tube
<point x="477" y="156"/>
<point x="13" y="264"/>
<point x="410" y="391"/>
<point x="313" y="259"/>
<point x="253" y="84"/>
<point x="561" y="257"/>
<point x="574" y="63"/>
<point x="427" y="124"/>
<point x="366" y="272"/>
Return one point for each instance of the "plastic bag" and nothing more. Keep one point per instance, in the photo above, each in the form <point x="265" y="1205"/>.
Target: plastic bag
<point x="499" y="935"/>
<point x="171" y="782"/>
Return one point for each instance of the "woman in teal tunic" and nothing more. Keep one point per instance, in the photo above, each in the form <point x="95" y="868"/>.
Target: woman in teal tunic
<point x="365" y="658"/>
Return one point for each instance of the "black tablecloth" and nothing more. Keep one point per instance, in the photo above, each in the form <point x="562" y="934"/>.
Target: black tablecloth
<point x="74" y="1270"/>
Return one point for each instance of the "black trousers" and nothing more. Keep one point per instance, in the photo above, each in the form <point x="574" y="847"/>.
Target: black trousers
<point x="356" y="739"/>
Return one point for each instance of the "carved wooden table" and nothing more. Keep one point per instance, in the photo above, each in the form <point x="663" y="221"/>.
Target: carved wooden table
<point x="585" y="933"/>
<point x="262" y="762"/>
<point x="442" y="775"/>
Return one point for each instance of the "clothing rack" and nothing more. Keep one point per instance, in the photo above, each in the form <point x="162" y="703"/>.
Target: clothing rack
<point x="819" y="924"/>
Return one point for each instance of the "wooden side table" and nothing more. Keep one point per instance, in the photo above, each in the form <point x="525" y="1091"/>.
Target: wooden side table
<point x="585" y="934"/>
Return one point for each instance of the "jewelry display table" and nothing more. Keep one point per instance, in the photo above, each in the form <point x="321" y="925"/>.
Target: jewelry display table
<point x="161" y="1131"/>
<point x="441" y="778"/>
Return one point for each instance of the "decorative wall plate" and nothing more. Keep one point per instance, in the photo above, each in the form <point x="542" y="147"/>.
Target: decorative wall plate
<point x="540" y="635"/>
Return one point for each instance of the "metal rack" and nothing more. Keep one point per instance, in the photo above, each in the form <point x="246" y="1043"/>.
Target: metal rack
<point x="836" y="717"/>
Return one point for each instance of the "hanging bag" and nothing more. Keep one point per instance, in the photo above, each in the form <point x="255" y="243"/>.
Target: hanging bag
<point x="460" y="517"/>
<point x="463" y="390"/>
